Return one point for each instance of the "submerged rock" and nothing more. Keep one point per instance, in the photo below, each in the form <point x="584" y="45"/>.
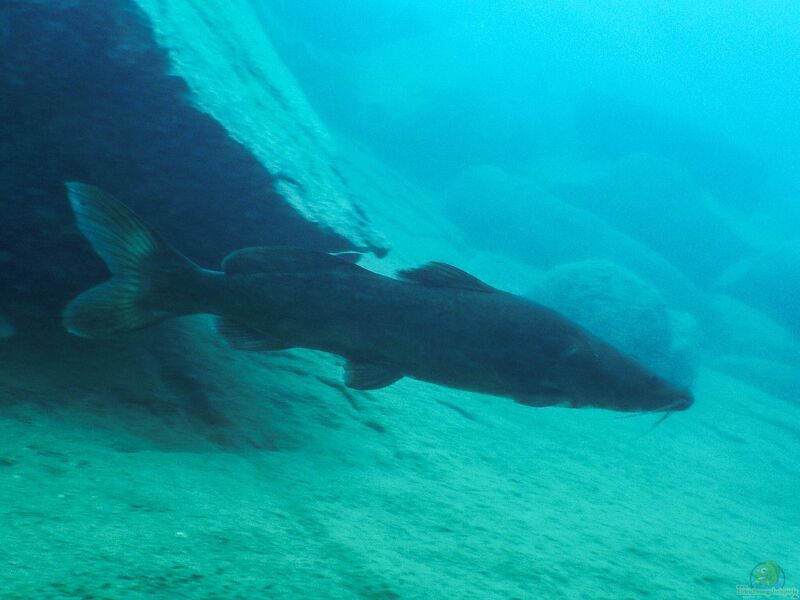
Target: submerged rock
<point x="776" y="378"/>
<point x="623" y="310"/>
<point x="660" y="204"/>
<point x="612" y="127"/>
<point x="769" y="282"/>
<point x="732" y="327"/>
<point x="234" y="74"/>
<point x="184" y="112"/>
<point x="525" y="221"/>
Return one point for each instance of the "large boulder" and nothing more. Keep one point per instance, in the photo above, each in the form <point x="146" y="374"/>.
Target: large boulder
<point x="504" y="213"/>
<point x="624" y="310"/>
<point x="660" y="204"/>
<point x="770" y="282"/>
<point x="733" y="327"/>
<point x="610" y="127"/>
<point x="183" y="111"/>
<point x="776" y="378"/>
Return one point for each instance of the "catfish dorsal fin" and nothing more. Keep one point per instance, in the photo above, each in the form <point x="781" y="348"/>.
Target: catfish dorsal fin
<point x="438" y="274"/>
<point x="281" y="259"/>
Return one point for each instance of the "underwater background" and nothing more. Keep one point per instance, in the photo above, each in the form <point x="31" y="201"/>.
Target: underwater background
<point x="630" y="164"/>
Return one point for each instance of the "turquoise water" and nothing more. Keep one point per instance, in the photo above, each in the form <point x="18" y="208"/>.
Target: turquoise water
<point x="631" y="165"/>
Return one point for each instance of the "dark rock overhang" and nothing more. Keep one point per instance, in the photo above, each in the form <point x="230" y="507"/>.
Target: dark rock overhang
<point x="87" y="93"/>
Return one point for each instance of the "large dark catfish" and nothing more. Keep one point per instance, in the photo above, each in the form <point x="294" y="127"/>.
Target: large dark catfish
<point x="434" y="323"/>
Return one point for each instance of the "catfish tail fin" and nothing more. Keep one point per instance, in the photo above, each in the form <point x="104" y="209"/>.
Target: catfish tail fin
<point x="149" y="277"/>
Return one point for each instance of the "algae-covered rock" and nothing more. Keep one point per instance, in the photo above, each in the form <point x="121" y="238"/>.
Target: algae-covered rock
<point x="622" y="309"/>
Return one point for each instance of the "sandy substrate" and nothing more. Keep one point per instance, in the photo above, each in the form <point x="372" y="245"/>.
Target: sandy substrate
<point x="279" y="484"/>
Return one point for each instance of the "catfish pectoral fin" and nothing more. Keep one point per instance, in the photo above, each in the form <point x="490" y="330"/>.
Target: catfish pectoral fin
<point x="368" y="376"/>
<point x="241" y="337"/>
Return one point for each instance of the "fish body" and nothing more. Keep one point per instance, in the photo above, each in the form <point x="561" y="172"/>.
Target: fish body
<point x="435" y="323"/>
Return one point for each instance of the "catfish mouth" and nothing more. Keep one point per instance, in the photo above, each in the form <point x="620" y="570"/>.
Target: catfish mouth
<point x="665" y="401"/>
<point x="679" y="401"/>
